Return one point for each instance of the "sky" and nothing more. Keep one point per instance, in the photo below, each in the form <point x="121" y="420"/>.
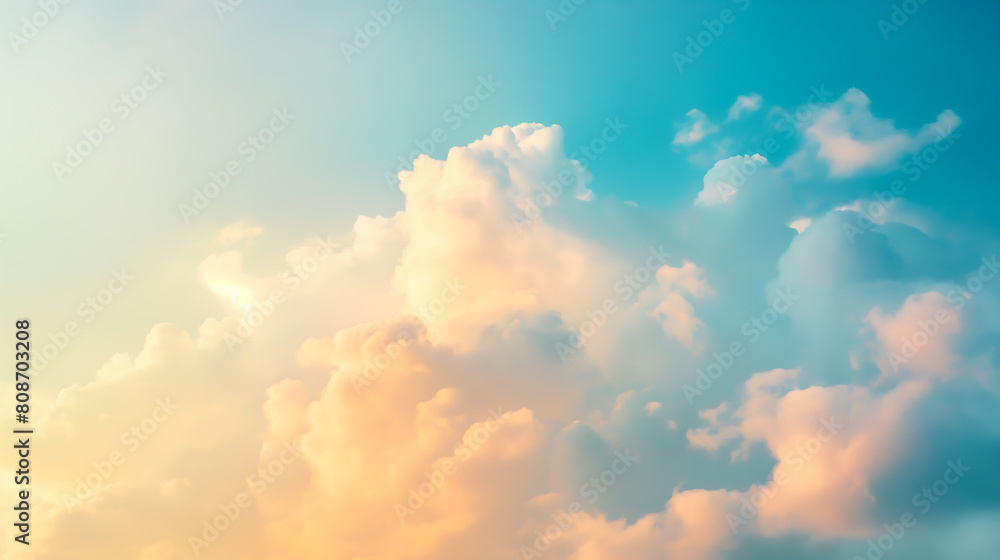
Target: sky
<point x="567" y="279"/>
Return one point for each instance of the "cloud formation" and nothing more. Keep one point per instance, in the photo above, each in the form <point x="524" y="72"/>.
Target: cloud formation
<point x="398" y="391"/>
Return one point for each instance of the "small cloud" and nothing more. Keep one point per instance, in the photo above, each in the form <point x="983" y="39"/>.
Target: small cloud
<point x="237" y="232"/>
<point x="853" y="207"/>
<point x="850" y="139"/>
<point x="745" y="103"/>
<point x="877" y="212"/>
<point x="801" y="224"/>
<point x="724" y="179"/>
<point x="698" y="128"/>
<point x="675" y="313"/>
<point x="170" y="486"/>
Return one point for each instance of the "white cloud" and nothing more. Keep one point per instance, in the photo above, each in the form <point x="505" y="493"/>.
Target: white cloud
<point x="745" y="104"/>
<point x="698" y="128"/>
<point x="239" y="231"/>
<point x="801" y="224"/>
<point x="850" y="139"/>
<point x="725" y="179"/>
<point x="674" y="312"/>
<point x="476" y="383"/>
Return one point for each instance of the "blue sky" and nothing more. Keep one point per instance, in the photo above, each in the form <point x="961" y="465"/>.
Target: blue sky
<point x="696" y="160"/>
<point x="604" y="60"/>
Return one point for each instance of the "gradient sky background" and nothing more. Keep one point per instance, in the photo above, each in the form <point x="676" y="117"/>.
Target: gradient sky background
<point x="357" y="119"/>
<point x="62" y="240"/>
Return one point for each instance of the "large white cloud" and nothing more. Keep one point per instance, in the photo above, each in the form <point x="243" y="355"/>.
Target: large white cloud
<point x="850" y="139"/>
<point x="406" y="380"/>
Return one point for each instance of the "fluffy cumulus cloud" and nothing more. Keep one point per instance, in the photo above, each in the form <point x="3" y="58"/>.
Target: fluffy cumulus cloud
<point x="239" y="231"/>
<point x="849" y="139"/>
<point x="698" y="127"/>
<point x="741" y="377"/>
<point x="725" y="179"/>
<point x="745" y="104"/>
